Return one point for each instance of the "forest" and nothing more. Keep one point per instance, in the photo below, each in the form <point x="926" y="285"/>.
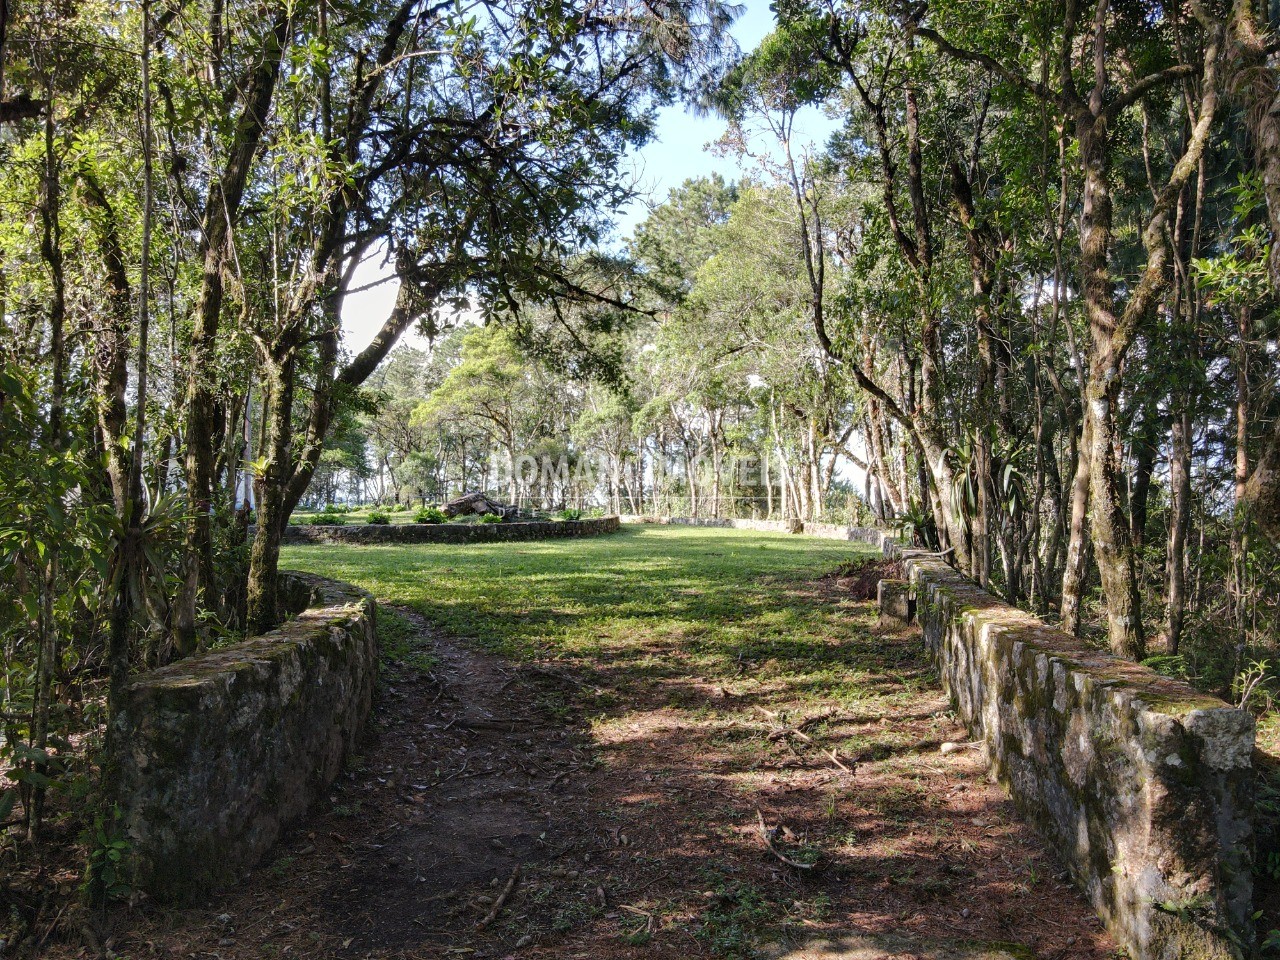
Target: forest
<point x="1019" y="308"/>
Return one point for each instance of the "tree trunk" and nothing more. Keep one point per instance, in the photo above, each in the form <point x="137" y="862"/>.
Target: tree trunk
<point x="273" y="511"/>
<point x="1109" y="527"/>
<point x="768" y="484"/>
<point x="110" y="345"/>
<point x="221" y="213"/>
<point x="1240" y="518"/>
<point x="1145" y="450"/>
<point x="1179" y="524"/>
<point x="49" y="638"/>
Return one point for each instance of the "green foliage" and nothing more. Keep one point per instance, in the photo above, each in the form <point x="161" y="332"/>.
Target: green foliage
<point x="329" y="516"/>
<point x="917" y="525"/>
<point x="490" y="518"/>
<point x="1254" y="686"/>
<point x="379" y="517"/>
<point x="1238" y="274"/>
<point x="429" y="515"/>
<point x="735" y="915"/>
<point x="679" y="236"/>
<point x="1173" y="665"/>
<point x="106" y="873"/>
<point x="1269" y="864"/>
<point x="491" y="388"/>
<point x="570" y="514"/>
<point x="55" y="553"/>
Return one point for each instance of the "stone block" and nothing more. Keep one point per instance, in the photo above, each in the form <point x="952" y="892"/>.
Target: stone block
<point x="897" y="605"/>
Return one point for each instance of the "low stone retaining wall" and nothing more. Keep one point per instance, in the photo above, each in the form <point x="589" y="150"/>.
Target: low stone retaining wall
<point x="450" y="532"/>
<point x="215" y="755"/>
<point x="1142" y="785"/>
<point x="760" y="526"/>
<point x="831" y="531"/>
<point x="826" y="531"/>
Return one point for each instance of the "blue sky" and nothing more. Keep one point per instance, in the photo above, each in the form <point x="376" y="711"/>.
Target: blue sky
<point x="677" y="152"/>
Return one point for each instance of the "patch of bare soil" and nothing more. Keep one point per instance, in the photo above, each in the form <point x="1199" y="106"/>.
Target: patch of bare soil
<point x="488" y="818"/>
<point x="860" y="579"/>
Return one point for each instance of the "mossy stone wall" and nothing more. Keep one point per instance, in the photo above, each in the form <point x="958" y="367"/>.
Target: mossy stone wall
<point x="450" y="532"/>
<point x="824" y="531"/>
<point x="1142" y="785"/>
<point x="215" y="755"/>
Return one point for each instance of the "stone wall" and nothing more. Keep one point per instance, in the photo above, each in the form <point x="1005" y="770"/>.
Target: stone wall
<point x="826" y="531"/>
<point x="216" y="754"/>
<point x="1142" y="785"/>
<point x="450" y="532"/>
<point x="760" y="526"/>
<point x="832" y="531"/>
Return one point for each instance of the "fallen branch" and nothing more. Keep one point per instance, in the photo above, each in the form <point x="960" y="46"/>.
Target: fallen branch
<point x="951" y="747"/>
<point x="650" y="921"/>
<point x="502" y="899"/>
<point x="460" y="775"/>
<point x="768" y="842"/>
<point x="781" y="730"/>
<point x="835" y="758"/>
<point x="932" y="553"/>
<point x="53" y="926"/>
<point x="782" y="733"/>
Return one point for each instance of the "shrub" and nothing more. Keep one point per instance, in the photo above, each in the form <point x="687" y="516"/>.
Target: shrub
<point x="490" y="518"/>
<point x="326" y="519"/>
<point x="379" y="517"/>
<point x="570" y="514"/>
<point x="429" y="515"/>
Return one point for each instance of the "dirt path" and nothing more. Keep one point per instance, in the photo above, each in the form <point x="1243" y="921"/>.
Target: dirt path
<point x="637" y="835"/>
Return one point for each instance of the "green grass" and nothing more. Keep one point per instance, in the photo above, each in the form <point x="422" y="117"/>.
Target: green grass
<point x="718" y="598"/>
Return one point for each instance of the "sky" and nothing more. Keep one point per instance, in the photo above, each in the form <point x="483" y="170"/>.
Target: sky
<point x="677" y="152"/>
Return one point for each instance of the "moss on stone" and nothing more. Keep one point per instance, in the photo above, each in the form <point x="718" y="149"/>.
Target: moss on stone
<point x="219" y="751"/>
<point x="1104" y="757"/>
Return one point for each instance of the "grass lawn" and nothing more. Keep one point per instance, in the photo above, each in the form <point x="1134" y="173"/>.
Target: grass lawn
<point x="651" y="601"/>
